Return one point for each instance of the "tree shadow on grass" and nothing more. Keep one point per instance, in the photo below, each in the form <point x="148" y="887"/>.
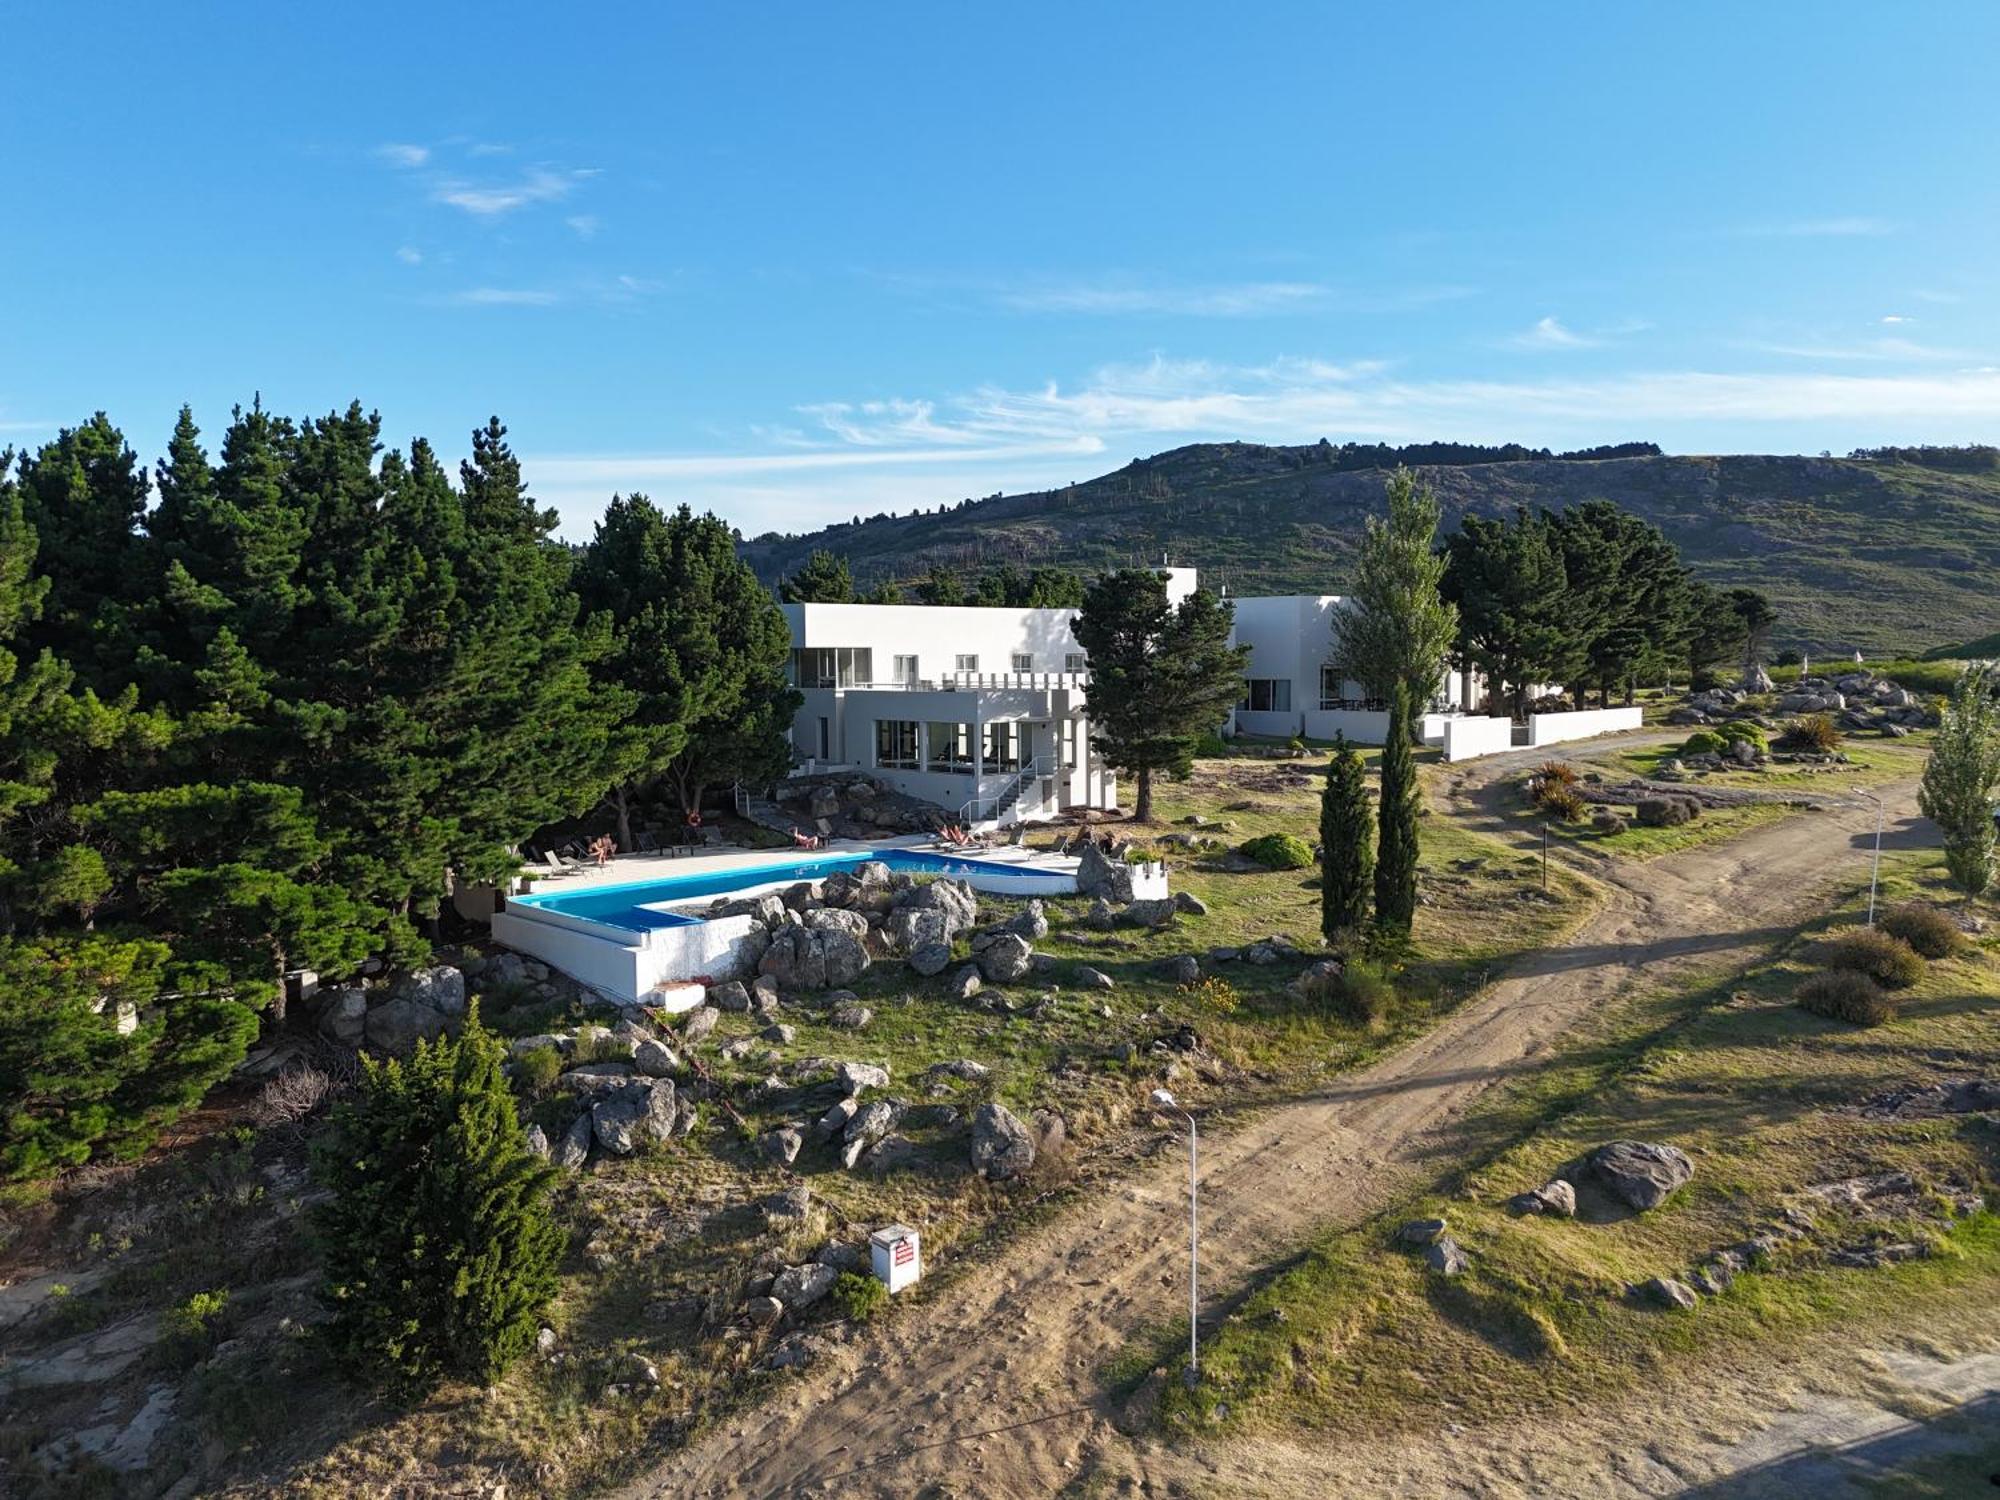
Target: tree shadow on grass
<point x="1937" y="1457"/>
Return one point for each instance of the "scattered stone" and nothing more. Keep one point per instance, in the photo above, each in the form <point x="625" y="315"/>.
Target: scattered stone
<point x="343" y="1015"/>
<point x="1557" y="1197"/>
<point x="1668" y="1292"/>
<point x="930" y="958"/>
<point x="788" y="1209"/>
<point x="700" y="1022"/>
<point x="764" y="995"/>
<point x="1006" y="959"/>
<point x="1261" y="954"/>
<point x="1642" y="1173"/>
<point x="440" y="988"/>
<point x="764" y="1311"/>
<point x="964" y="1069"/>
<point x="538" y="1142"/>
<point x="545" y="1341"/>
<point x="779" y="1033"/>
<point x="597" y="1078"/>
<point x="1421" y="1232"/>
<point x="573" y="1150"/>
<point x="655" y="1059"/>
<point x="782" y="1145"/>
<point x="1088" y="978"/>
<point x="1446" y="1256"/>
<point x="396" y="1026"/>
<point x="636" y="1113"/>
<point x="831" y="1125"/>
<point x="1032" y="923"/>
<point x="799" y="1287"/>
<point x="795" y="1353"/>
<point x="964" y="984"/>
<point x="1185" y="969"/>
<point x="853" y="1077"/>
<point x="1190" y="905"/>
<point x="851" y="1017"/>
<point x="1002" y="1147"/>
<point x="868" y="1127"/>
<point x="730" y="995"/>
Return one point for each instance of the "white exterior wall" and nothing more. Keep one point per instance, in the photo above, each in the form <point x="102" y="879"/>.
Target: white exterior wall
<point x="937" y="635"/>
<point x="1465" y="738"/>
<point x="609" y="960"/>
<point x="1552" y="729"/>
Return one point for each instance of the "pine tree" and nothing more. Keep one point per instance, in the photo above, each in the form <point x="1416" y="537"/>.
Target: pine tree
<point x="1964" y="767"/>
<point x="941" y="586"/>
<point x="1506" y="577"/>
<point x="824" y="579"/>
<point x="1347" y="844"/>
<point x="439" y="1246"/>
<point x="1402" y="799"/>
<point x="1396" y="627"/>
<point x="1160" y="676"/>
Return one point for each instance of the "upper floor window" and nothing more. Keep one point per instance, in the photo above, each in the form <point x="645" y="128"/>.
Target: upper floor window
<point x="968" y="664"/>
<point x="906" y="669"/>
<point x="1024" y="661"/>
<point x="832" y="666"/>
<point x="1267" y="695"/>
<point x="1076" y="661"/>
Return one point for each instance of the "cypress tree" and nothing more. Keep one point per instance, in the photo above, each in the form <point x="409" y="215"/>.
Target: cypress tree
<point x="1396" y="853"/>
<point x="439" y="1246"/>
<point x="1347" y="844"/>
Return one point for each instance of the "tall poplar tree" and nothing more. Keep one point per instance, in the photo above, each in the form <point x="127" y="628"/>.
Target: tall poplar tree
<point x="1396" y="626"/>
<point x="1347" y="844"/>
<point x="1402" y="801"/>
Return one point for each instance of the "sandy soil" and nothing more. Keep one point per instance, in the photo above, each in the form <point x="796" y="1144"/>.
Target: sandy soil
<point x="990" y="1389"/>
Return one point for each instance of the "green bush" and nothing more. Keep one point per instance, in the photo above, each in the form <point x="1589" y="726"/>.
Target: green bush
<point x="1563" y="803"/>
<point x="859" y="1297"/>
<point x="1704" y="742"/>
<point x="537" y="1070"/>
<point x="1362" y="992"/>
<point x="191" y="1329"/>
<point x="1280" y="851"/>
<point x="1743" y="731"/>
<point x="1845" y="995"/>
<point x="1926" y="929"/>
<point x="437" y="1244"/>
<point x="1211" y="744"/>
<point x="1607" y="822"/>
<point x="1883" y="957"/>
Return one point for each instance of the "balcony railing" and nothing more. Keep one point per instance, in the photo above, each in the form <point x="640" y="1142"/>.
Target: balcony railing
<point x="958" y="682"/>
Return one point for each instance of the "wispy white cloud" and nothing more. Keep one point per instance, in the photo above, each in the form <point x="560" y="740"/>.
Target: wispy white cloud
<point x="504" y="296"/>
<point x="541" y="185"/>
<point x="1551" y="333"/>
<point x="584" y="225"/>
<point x="402" y="154"/>
<point x="409" y="255"/>
<point x="1896" y="318"/>
<point x="1887" y="349"/>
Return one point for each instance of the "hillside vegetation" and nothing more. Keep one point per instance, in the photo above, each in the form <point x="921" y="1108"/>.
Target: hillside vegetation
<point x="1883" y="554"/>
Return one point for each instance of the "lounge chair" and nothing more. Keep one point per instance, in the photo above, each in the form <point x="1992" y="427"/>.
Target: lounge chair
<point x="552" y="863"/>
<point x="647" y="844"/>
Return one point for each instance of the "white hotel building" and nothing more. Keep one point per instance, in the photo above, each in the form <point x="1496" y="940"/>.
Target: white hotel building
<point x="981" y="710"/>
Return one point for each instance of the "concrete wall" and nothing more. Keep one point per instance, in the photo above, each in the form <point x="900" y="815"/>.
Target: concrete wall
<point x="1551" y="729"/>
<point x="1466" y="738"/>
<point x="620" y="964"/>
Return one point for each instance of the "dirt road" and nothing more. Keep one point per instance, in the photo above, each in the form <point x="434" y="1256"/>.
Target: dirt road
<point x="990" y="1390"/>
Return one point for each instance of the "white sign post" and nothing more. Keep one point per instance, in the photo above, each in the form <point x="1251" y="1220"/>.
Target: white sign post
<point x="897" y="1257"/>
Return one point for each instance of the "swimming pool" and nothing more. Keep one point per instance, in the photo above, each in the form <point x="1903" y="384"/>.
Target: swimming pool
<point x="639" y="906"/>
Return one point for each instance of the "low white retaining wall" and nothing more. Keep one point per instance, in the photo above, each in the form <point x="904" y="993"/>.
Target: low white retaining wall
<point x="1364" y="726"/>
<point x="1550" y="729"/>
<point x="1149" y="882"/>
<point x="1468" y="738"/>
<point x="626" y="965"/>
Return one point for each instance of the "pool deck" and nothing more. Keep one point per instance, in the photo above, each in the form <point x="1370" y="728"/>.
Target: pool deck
<point x="630" y="869"/>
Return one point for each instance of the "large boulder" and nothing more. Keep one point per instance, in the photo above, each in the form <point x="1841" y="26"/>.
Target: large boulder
<point x="635" y="1113"/>
<point x="799" y="1287"/>
<point x="343" y="1015"/>
<point x="1099" y="874"/>
<point x="573" y="1150"/>
<point x="1642" y="1173"/>
<point x="1154" y="913"/>
<point x="869" y="1126"/>
<point x="825" y="803"/>
<point x="834" y="919"/>
<point x="1006" y="959"/>
<point x="441" y="988"/>
<point x="1666" y="812"/>
<point x="729" y="995"/>
<point x="796" y="960"/>
<point x="1002" y="1147"/>
<point x="396" y="1026"/>
<point x="911" y="928"/>
<point x="654" y="1058"/>
<point x="954" y="900"/>
<point x="1031" y="923"/>
<point x="930" y="958"/>
<point x="844" y="957"/>
<point x="853" y="1077"/>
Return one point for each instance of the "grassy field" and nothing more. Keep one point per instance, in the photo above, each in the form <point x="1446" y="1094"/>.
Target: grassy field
<point x="664" y="1244"/>
<point x="1762" y="1095"/>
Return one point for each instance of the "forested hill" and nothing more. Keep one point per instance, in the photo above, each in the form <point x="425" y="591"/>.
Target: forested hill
<point x="1880" y="553"/>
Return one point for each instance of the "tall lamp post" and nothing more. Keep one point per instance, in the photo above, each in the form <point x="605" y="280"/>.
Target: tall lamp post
<point x="1165" y="1100"/>
<point x="1875" y="874"/>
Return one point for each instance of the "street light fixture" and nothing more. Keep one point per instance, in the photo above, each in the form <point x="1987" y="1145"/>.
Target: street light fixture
<point x="1165" y="1100"/>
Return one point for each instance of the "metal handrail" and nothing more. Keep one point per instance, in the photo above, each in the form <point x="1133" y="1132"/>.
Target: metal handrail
<point x="1032" y="771"/>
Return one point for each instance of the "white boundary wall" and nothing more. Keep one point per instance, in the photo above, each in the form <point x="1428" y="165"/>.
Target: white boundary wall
<point x="1550" y="729"/>
<point x="626" y="970"/>
<point x="1469" y="738"/>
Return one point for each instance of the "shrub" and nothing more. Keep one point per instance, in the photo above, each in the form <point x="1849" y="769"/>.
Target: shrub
<point x="437" y="1244"/>
<point x="1744" y="732"/>
<point x="1926" y="929"/>
<point x="1211" y="992"/>
<point x="1211" y="744"/>
<point x="1667" y="812"/>
<point x="595" y="1043"/>
<point x="1362" y="993"/>
<point x="1814" y="732"/>
<point x="1883" y="957"/>
<point x="1704" y="742"/>
<point x="1296" y="745"/>
<point x="190" y="1330"/>
<point x="1280" y="851"/>
<point x="1607" y="822"/>
<point x="1556" y="773"/>
<point x="293" y="1096"/>
<point x="1564" y="803"/>
<point x="860" y="1297"/>
<point x="1844" y="995"/>
<point x="537" y="1070"/>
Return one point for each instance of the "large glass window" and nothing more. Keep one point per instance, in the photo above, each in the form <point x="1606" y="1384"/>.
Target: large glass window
<point x="1329" y="686"/>
<point x="1003" y="746"/>
<point x="896" y="743"/>
<point x="950" y="747"/>
<point x="832" y="666"/>
<point x="1069" y="744"/>
<point x="1267" y="695"/>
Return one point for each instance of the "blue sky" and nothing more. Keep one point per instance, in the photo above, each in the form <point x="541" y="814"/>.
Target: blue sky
<point x="793" y="262"/>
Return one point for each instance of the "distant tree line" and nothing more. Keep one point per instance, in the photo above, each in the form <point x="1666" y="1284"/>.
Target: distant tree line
<point x="1459" y="455"/>
<point x="825" y="578"/>
<point x="1971" y="458"/>
<point x="269" y="721"/>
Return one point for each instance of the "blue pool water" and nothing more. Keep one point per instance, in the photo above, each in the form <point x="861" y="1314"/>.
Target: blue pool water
<point x="625" y="906"/>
